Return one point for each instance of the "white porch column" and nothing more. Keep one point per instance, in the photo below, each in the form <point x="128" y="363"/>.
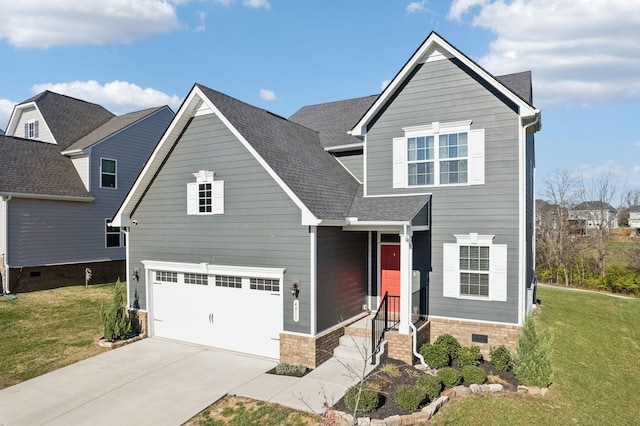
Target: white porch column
<point x="406" y="265"/>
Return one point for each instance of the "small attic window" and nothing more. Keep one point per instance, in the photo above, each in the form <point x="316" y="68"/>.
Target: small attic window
<point x="31" y="130"/>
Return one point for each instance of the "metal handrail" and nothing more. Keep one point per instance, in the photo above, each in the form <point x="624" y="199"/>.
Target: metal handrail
<point x="389" y="309"/>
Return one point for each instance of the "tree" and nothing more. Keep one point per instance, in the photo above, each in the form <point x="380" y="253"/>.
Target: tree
<point x="115" y="322"/>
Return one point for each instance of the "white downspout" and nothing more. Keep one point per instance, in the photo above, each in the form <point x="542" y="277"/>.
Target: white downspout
<point x="6" y="244"/>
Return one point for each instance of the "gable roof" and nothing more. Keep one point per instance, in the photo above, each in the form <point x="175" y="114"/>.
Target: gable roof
<point x="437" y="46"/>
<point x="519" y="83"/>
<point x="594" y="205"/>
<point x="112" y="126"/>
<point x="35" y="169"/>
<point x="635" y="208"/>
<point x="334" y="120"/>
<point x="69" y="119"/>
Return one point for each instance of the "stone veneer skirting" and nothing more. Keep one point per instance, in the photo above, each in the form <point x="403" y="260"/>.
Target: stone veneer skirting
<point x="497" y="334"/>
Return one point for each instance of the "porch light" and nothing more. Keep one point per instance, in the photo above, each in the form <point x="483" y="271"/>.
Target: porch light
<point x="295" y="289"/>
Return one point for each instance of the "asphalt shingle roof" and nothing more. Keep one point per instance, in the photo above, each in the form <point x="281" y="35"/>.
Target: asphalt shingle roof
<point x="387" y="208"/>
<point x="33" y="167"/>
<point x="519" y="83"/>
<point x="594" y="205"/>
<point x="69" y="119"/>
<point x="334" y="119"/>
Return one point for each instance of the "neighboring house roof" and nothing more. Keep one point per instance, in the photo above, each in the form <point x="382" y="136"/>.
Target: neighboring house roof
<point x="334" y="119"/>
<point x="36" y="169"/>
<point x="68" y="119"/>
<point x="634" y="209"/>
<point x="434" y="45"/>
<point x="594" y="205"/>
<point x="111" y="127"/>
<point x="519" y="83"/>
<point x="1" y="132"/>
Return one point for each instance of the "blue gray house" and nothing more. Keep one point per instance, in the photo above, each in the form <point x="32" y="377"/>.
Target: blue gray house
<point x="65" y="167"/>
<point x="255" y="233"/>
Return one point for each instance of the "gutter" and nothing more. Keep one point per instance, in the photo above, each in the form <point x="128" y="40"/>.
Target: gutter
<point x="10" y="195"/>
<point x="6" y="289"/>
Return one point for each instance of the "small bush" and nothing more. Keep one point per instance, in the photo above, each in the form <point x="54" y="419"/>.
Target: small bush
<point x="500" y="358"/>
<point x="532" y="366"/>
<point x="115" y="322"/>
<point x="285" y="369"/>
<point x="431" y="385"/>
<point x="469" y="355"/>
<point x="368" y="402"/>
<point x="409" y="397"/>
<point x="435" y="356"/>
<point x="472" y="374"/>
<point x="450" y="376"/>
<point x="450" y="343"/>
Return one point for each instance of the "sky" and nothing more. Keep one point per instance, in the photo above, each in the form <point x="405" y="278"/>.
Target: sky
<point x="280" y="55"/>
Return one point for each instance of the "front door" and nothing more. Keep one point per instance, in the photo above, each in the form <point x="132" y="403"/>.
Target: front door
<point x="390" y="269"/>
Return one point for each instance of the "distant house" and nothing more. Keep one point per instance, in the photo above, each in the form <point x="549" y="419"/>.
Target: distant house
<point x="65" y="166"/>
<point x="265" y="235"/>
<point x="634" y="216"/>
<point x="593" y="215"/>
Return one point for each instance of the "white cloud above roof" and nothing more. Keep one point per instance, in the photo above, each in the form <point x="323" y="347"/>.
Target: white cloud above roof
<point x="6" y="108"/>
<point x="580" y="52"/>
<point x="268" y="95"/>
<point x="117" y="96"/>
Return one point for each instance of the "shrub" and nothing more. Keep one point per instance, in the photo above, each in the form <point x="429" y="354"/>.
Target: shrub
<point x="450" y="376"/>
<point x="450" y="343"/>
<point x="472" y="374"/>
<point x="409" y="397"/>
<point x="290" y="369"/>
<point x="431" y="385"/>
<point x="500" y="358"/>
<point x="361" y="398"/>
<point x="115" y="322"/>
<point x="469" y="355"/>
<point x="435" y="356"/>
<point x="532" y="366"/>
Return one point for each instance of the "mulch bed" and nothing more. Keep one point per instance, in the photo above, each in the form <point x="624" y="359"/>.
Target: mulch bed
<point x="273" y="371"/>
<point x="408" y="375"/>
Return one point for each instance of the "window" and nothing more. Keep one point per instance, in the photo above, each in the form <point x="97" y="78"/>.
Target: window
<point x="167" y="277"/>
<point x="31" y="130"/>
<point x="228" y="281"/>
<point x="264" y="284"/>
<point x="113" y="235"/>
<point x="474" y="267"/>
<point x="439" y="154"/>
<point x="206" y="195"/>
<point x="199" y="279"/>
<point x="108" y="173"/>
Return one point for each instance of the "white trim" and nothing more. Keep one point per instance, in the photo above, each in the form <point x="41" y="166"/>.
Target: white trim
<point x="127" y="266"/>
<point x="206" y="268"/>
<point x="313" y="284"/>
<point x="365" y="185"/>
<point x="470" y="320"/>
<point x="438" y="127"/>
<point x="413" y="194"/>
<point x="435" y="42"/>
<point x="346" y="147"/>
<point x="115" y="174"/>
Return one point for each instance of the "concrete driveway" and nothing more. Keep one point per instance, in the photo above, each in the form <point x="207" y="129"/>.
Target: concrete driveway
<point x="150" y="382"/>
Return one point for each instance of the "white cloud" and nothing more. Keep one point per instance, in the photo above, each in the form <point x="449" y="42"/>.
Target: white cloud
<point x="257" y="4"/>
<point x="635" y="143"/>
<point x="579" y="52"/>
<point x="384" y="84"/>
<point x="268" y="95"/>
<point x="117" y="96"/>
<point x="6" y="108"/>
<point x="416" y="7"/>
<point x="44" y="23"/>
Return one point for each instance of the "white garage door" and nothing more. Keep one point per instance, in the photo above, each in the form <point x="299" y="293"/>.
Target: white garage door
<point x="233" y="308"/>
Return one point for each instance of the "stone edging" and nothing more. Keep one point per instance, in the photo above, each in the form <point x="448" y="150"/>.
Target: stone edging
<point x="430" y="410"/>
<point x="118" y="343"/>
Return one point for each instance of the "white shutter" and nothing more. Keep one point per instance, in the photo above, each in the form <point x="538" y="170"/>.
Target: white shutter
<point x="476" y="157"/>
<point x="26" y="130"/>
<point x="218" y="197"/>
<point x="192" y="198"/>
<point x="36" y="132"/>
<point x="498" y="272"/>
<point x="399" y="163"/>
<point x="451" y="270"/>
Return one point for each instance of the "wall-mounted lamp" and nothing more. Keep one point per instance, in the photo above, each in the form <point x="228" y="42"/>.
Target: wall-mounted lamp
<point x="295" y="289"/>
<point x="136" y="275"/>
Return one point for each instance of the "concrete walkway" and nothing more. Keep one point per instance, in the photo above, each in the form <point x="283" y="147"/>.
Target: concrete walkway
<point x="160" y="382"/>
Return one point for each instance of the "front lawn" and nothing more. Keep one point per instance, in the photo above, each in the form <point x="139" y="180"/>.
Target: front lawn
<point x="46" y="330"/>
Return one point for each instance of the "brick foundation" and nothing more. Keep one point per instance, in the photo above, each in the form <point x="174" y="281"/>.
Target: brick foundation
<point x="34" y="278"/>
<point x="497" y="334"/>
<point x="310" y="351"/>
<point x="400" y="346"/>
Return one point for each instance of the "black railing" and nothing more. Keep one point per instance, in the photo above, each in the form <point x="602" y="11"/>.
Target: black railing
<point x="387" y="318"/>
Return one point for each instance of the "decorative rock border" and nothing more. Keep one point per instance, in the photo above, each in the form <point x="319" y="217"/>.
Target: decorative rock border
<point x="118" y="343"/>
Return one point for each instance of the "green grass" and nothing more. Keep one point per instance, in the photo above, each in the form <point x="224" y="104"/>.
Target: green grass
<point x="46" y="330"/>
<point x="596" y="368"/>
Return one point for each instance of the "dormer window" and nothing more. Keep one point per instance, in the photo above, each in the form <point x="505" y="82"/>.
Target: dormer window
<point x="31" y="130"/>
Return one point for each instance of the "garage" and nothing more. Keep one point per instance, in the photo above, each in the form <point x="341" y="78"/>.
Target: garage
<point x="228" y="307"/>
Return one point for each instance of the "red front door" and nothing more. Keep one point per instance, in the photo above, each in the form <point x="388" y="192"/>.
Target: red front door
<point x="390" y="270"/>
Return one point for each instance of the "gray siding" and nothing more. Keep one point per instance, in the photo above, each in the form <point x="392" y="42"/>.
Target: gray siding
<point x="443" y="91"/>
<point x="260" y="226"/>
<point x="352" y="161"/>
<point x="341" y="276"/>
<point x="55" y="232"/>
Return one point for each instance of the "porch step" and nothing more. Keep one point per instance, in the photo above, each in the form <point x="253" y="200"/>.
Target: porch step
<point x="361" y="328"/>
<point x="356" y="348"/>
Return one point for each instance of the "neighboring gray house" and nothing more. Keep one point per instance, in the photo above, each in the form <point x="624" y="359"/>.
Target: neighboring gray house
<point x="65" y="167"/>
<point x="634" y="217"/>
<point x="594" y="215"/>
<point x="258" y="234"/>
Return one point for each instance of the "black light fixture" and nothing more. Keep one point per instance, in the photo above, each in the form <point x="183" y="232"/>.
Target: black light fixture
<point x="295" y="289"/>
